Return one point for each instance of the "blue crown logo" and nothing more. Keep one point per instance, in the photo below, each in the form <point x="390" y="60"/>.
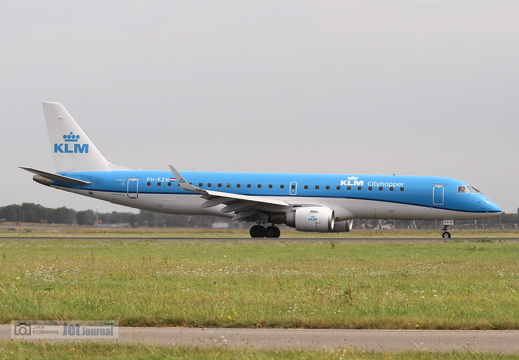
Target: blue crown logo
<point x="71" y="137"/>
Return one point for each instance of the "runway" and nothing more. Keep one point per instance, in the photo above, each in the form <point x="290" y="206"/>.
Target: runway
<point x="488" y="341"/>
<point x="248" y="240"/>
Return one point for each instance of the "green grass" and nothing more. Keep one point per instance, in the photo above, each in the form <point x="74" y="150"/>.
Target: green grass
<point x="36" y="351"/>
<point x="446" y="285"/>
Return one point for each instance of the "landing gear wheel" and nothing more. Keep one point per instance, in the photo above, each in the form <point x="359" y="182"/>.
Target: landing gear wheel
<point x="446" y="223"/>
<point x="272" y="232"/>
<point x="257" y="231"/>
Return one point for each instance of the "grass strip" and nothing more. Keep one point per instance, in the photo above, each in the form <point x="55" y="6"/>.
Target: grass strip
<point x="448" y="285"/>
<point x="36" y="351"/>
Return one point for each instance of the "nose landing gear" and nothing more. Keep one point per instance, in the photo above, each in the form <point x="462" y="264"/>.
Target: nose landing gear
<point x="446" y="224"/>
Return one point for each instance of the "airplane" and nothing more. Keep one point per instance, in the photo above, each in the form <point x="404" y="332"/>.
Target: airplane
<point x="306" y="202"/>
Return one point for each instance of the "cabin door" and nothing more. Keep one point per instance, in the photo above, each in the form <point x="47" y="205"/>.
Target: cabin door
<point x="132" y="190"/>
<point x="438" y="194"/>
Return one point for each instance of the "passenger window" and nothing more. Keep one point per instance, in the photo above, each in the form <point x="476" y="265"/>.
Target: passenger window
<point x="270" y="186"/>
<point x="327" y="187"/>
<point x="219" y="185"/>
<point x="148" y="183"/>
<point x="359" y="188"/>
<point x="228" y="185"/>
<point x="169" y="184"/>
<point x="200" y="184"/>
<point x="258" y="186"/>
<point x="281" y="186"/>
<point x="238" y="186"/>
<point x="380" y="188"/>
<point x="249" y="186"/>
<point x="370" y="188"/>
<point x="348" y="187"/>
<point x="293" y="186"/>
<point x="391" y="188"/>
<point x="159" y="183"/>
<point x="316" y="187"/>
<point x="209" y="184"/>
<point x="338" y="187"/>
<point x="306" y="187"/>
<point x="402" y="189"/>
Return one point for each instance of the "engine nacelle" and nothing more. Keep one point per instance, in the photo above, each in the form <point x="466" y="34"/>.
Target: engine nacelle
<point x="319" y="219"/>
<point x="343" y="226"/>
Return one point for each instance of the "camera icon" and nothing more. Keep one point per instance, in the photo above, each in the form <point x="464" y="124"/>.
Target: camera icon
<point x="22" y="329"/>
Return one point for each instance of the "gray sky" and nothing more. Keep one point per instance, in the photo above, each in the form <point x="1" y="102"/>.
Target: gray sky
<point x="328" y="86"/>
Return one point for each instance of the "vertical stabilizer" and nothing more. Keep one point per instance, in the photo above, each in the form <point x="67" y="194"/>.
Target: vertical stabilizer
<point x="71" y="148"/>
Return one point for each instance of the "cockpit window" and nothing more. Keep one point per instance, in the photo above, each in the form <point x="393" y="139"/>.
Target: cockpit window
<point x="468" y="189"/>
<point x="463" y="190"/>
<point x="473" y="190"/>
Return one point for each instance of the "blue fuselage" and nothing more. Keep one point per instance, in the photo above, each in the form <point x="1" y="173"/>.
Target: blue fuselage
<point x="362" y="196"/>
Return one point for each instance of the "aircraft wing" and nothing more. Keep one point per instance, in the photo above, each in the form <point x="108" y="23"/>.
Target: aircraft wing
<point x="244" y="206"/>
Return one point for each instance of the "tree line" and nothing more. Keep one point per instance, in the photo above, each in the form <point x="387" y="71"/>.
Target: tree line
<point x="35" y="213"/>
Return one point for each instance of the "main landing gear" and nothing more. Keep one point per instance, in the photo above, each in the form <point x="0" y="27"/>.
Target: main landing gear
<point x="260" y="231"/>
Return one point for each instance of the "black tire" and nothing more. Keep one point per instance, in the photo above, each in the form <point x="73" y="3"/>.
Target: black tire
<point x="272" y="232"/>
<point x="257" y="231"/>
<point x="446" y="235"/>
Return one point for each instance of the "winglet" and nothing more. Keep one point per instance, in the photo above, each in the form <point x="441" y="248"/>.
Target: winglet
<point x="184" y="184"/>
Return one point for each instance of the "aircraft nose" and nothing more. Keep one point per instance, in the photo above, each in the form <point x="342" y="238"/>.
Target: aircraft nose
<point x="489" y="206"/>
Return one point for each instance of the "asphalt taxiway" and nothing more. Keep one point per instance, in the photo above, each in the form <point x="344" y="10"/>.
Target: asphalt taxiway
<point x="485" y="341"/>
<point x="300" y="240"/>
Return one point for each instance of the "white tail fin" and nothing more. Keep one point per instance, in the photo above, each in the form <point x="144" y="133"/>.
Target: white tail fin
<point x="71" y="148"/>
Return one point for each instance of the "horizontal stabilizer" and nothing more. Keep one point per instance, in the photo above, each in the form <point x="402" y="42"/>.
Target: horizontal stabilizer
<point x="56" y="177"/>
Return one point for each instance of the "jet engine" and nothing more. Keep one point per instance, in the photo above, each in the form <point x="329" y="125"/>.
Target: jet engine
<point x="320" y="219"/>
<point x="343" y="226"/>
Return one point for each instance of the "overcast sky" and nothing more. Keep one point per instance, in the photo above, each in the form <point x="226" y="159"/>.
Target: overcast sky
<point x="325" y="86"/>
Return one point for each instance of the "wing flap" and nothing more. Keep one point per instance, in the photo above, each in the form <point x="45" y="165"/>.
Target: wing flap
<point x="237" y="206"/>
<point x="213" y="202"/>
